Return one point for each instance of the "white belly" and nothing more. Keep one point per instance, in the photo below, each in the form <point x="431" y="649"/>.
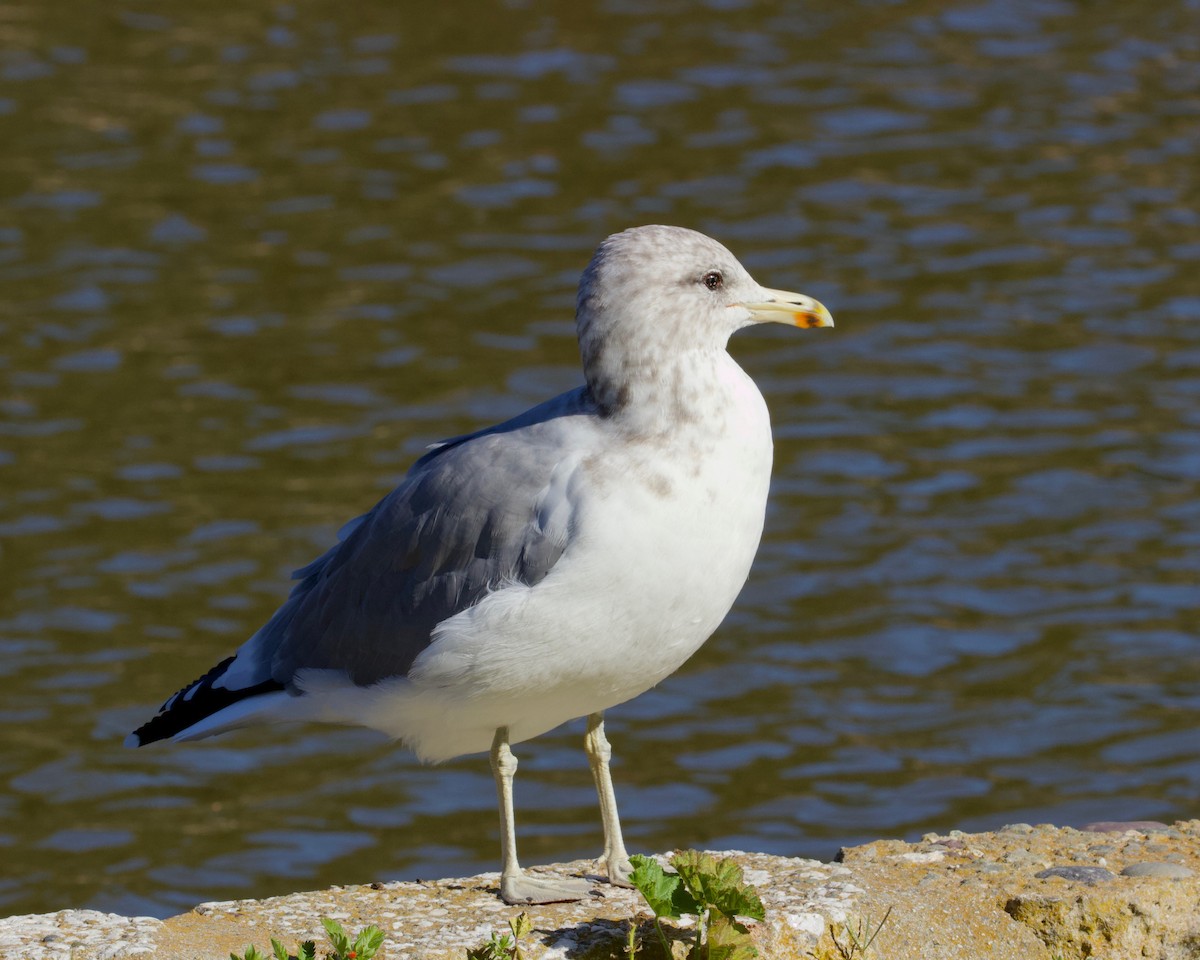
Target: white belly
<point x="660" y="548"/>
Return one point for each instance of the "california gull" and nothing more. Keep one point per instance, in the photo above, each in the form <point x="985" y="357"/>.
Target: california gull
<point x="549" y="567"/>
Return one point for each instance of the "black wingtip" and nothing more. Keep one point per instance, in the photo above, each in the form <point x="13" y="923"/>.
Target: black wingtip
<point x="199" y="699"/>
<point x="146" y="733"/>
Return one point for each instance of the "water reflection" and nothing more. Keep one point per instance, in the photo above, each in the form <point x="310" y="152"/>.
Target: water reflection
<point x="253" y="259"/>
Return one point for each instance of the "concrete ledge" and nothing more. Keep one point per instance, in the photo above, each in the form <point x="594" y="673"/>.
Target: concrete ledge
<point x="1022" y="893"/>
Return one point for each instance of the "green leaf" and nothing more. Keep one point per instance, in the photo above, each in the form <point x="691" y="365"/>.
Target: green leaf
<point x="497" y="948"/>
<point x="307" y="951"/>
<point x="337" y="936"/>
<point x="662" y="890"/>
<point x="368" y="942"/>
<point x="718" y="883"/>
<point x="279" y="950"/>
<point x="520" y="924"/>
<point x="729" y="940"/>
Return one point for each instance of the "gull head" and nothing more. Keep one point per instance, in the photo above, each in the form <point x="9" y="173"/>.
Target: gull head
<point x="652" y="296"/>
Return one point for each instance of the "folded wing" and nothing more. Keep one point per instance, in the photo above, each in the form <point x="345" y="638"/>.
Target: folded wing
<point x="474" y="514"/>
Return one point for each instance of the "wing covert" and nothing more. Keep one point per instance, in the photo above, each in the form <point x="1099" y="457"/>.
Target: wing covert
<point x="475" y="513"/>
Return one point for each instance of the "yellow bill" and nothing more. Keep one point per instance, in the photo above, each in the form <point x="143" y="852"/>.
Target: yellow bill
<point x="793" y="308"/>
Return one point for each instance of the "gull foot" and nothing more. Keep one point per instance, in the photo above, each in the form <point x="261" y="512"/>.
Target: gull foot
<point x="619" y="871"/>
<point x="523" y="888"/>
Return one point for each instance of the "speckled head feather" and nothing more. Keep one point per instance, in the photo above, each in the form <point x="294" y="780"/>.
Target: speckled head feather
<point x="643" y="307"/>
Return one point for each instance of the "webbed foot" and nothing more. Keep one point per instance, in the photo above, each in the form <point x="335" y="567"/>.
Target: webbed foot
<point x="619" y="869"/>
<point x="523" y="888"/>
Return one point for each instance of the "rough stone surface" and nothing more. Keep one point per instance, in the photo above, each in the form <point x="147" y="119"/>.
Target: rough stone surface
<point x="1120" y="826"/>
<point x="1088" y="875"/>
<point x="1018" y="894"/>
<point x="71" y="934"/>
<point x="1151" y="868"/>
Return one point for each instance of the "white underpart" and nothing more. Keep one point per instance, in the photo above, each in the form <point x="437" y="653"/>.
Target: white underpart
<point x="645" y="580"/>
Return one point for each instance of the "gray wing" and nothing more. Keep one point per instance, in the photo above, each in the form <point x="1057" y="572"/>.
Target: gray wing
<point x="470" y="515"/>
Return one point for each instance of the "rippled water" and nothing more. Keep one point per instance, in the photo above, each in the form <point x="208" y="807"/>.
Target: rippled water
<point x="253" y="258"/>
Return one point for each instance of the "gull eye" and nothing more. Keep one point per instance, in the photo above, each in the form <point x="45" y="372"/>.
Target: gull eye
<point x="713" y="280"/>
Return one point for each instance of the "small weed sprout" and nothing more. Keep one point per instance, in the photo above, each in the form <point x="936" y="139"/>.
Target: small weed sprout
<point x="712" y="890"/>
<point x="858" y="937"/>
<point x="506" y="946"/>
<point x="362" y="947"/>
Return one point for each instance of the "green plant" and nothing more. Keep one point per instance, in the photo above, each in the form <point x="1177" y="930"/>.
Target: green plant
<point x="362" y="947"/>
<point x="712" y="890"/>
<point x="858" y="937"/>
<point x="507" y="946"/>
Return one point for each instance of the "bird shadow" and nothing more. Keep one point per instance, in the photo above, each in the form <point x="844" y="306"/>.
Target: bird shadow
<point x="590" y="939"/>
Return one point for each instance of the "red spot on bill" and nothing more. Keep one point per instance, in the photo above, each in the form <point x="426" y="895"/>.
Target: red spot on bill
<point x="810" y="320"/>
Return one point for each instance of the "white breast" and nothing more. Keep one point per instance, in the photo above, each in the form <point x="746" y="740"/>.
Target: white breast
<point x="662" y="540"/>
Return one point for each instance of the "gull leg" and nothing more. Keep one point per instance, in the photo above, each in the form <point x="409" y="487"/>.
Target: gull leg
<point x="516" y="886"/>
<point x="616" y="860"/>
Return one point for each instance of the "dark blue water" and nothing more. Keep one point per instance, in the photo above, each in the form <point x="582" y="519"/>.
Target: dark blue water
<point x="251" y="262"/>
